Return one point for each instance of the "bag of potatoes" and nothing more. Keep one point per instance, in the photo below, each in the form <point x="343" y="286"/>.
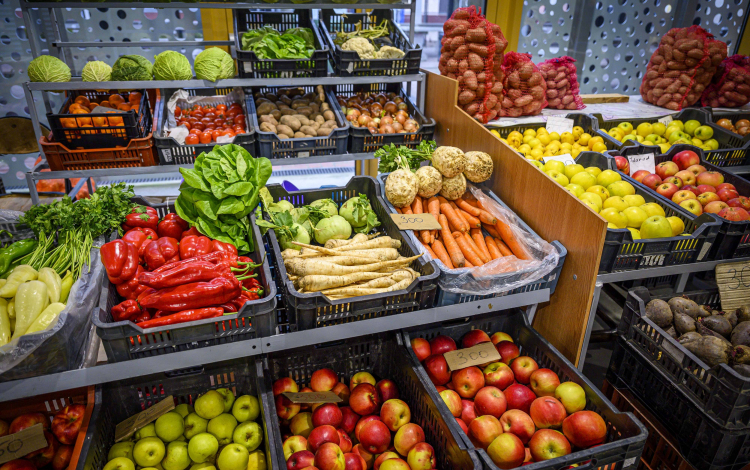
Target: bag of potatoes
<point x="562" y="83"/>
<point x="524" y="87"/>
<point x="730" y="87"/>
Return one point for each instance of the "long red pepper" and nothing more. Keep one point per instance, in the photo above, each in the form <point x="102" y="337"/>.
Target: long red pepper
<point x="193" y="271"/>
<point x="183" y="316"/>
<point x="194" y="295"/>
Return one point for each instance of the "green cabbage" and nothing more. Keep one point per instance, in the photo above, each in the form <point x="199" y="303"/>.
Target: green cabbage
<point x="132" y="68"/>
<point x="47" y="68"/>
<point x="171" y="65"/>
<point x="96" y="71"/>
<point x="214" y="64"/>
<point x="332" y="228"/>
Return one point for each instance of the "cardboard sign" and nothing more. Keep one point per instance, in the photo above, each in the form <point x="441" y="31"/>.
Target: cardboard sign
<point x="482" y="353"/>
<point x="733" y="280"/>
<point x="559" y="124"/>
<point x="566" y="158"/>
<point x="128" y="427"/>
<point x="666" y="120"/>
<point x="313" y="397"/>
<point x="642" y="162"/>
<point x="416" y="221"/>
<point x="16" y="445"/>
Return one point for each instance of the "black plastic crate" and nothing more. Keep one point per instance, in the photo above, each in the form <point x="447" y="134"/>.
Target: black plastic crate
<point x="382" y="355"/>
<point x="733" y="115"/>
<point x="172" y="153"/>
<point x="703" y="443"/>
<point x="125" y="340"/>
<point x="124" y="398"/>
<point x="626" y="436"/>
<point x="272" y="147"/>
<point x="349" y="64"/>
<point x="84" y="131"/>
<point x="250" y="66"/>
<point x="363" y="141"/>
<point x="314" y="310"/>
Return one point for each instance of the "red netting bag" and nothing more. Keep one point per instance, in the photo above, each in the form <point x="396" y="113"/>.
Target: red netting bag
<point x="562" y="83"/>
<point x="682" y="67"/>
<point x="730" y="87"/>
<point x="472" y="48"/>
<point x="524" y="87"/>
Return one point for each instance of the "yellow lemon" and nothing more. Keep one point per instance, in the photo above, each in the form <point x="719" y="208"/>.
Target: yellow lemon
<point x="524" y="148"/>
<point x="528" y="138"/>
<point x="534" y="143"/>
<point x="542" y="130"/>
<point x="515" y="134"/>
<point x="577" y="132"/>
<point x="536" y="153"/>
<point x="543" y="138"/>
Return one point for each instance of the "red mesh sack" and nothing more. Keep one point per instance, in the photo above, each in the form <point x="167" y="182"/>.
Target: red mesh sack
<point x="472" y="49"/>
<point x="524" y="87"/>
<point x="562" y="83"/>
<point x="682" y="67"/>
<point x="730" y="87"/>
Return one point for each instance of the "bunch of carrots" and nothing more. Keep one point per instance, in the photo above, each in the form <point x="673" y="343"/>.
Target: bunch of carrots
<point x="460" y="242"/>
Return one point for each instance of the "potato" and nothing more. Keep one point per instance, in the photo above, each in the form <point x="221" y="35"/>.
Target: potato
<point x="329" y="115"/>
<point x="287" y="112"/>
<point x="466" y="97"/>
<point x="276" y="114"/>
<point x="315" y="125"/>
<point x="300" y="135"/>
<point x="284" y="130"/>
<point x="324" y="107"/>
<point x="330" y="123"/>
<point x="310" y="131"/>
<point x="320" y="119"/>
<point x="470" y="80"/>
<point x="265" y="108"/>
<point x="267" y="127"/>
<point x="291" y="121"/>
<point x="302" y="119"/>
<point x="285" y="99"/>
<point x="324" y="131"/>
<point x="300" y="104"/>
<point x="269" y="119"/>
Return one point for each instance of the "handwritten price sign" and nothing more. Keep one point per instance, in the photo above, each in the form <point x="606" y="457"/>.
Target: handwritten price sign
<point x="733" y="280"/>
<point x="128" y="427"/>
<point x="416" y="221"/>
<point x="482" y="353"/>
<point x="16" y="445"/>
<point x="312" y="397"/>
<point x="642" y="162"/>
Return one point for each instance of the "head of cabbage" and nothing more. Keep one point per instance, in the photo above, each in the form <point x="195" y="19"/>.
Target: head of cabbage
<point x="96" y="71"/>
<point x="214" y="64"/>
<point x="332" y="228"/>
<point x="358" y="212"/>
<point x="171" y="65"/>
<point x="47" y="68"/>
<point x="132" y="68"/>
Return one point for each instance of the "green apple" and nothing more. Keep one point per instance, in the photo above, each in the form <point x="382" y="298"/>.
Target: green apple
<point x="593" y="170"/>
<point x="625" y="127"/>
<point x="691" y="126"/>
<point x="536" y="163"/>
<point x="233" y="457"/>
<point x="591" y="205"/>
<point x="177" y="457"/>
<point x="634" y="200"/>
<point x="257" y="461"/>
<point x="584" y="179"/>
<point x="209" y="405"/>
<point x="621" y="188"/>
<point x="203" y="466"/>
<point x="656" y="227"/>
<point x="572" y="396"/>
<point x="169" y="426"/>
<point x="635" y="216"/>
<point x="194" y="424"/>
<point x="658" y="128"/>
<point x="248" y="434"/>
<point x="148" y="451"/>
<point x="183" y="409"/>
<point x="121" y="449"/>
<point x="246" y="408"/>
<point x="678" y="123"/>
<point x="616" y="202"/>
<point x="203" y="447"/>
<point x="120" y="463"/>
<point x="653" y="138"/>
<point x="653" y="209"/>
<point x="600" y="191"/>
<point x="712" y="143"/>
<point x="155" y="467"/>
<point x="554" y="165"/>
<point x="592" y="198"/>
<point x="635" y="233"/>
<point x="559" y="178"/>
<point x="572" y="170"/>
<point x="148" y="430"/>
<point x="222" y="428"/>
<point x="632" y="137"/>
<point x="228" y="398"/>
<point x="576" y="189"/>
<point x="614" y="216"/>
<point x="608" y="177"/>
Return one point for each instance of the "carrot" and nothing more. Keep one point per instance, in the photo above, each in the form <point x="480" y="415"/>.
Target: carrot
<point x="504" y="250"/>
<point x="451" y="246"/>
<point x="467" y="207"/>
<point x="442" y="255"/>
<point x="442" y="200"/>
<point x="470" y="219"/>
<point x="398" y="210"/>
<point x="487" y="218"/>
<point x="476" y="235"/>
<point x="491" y="230"/>
<point x="429" y="250"/>
<point x="492" y="247"/>
<point x="425" y="236"/>
<point x="466" y="249"/>
<point x="468" y="265"/>
<point x="477" y="251"/>
<point x="472" y="202"/>
<point x="406" y="210"/>
<point x="416" y="205"/>
<point x="455" y="220"/>
<point x="433" y="207"/>
<point x="510" y="239"/>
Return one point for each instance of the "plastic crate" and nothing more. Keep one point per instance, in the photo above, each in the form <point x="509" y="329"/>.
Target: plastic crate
<point x="172" y="153"/>
<point x="314" y="310"/>
<point x="271" y="146"/>
<point x="349" y="64"/>
<point x="733" y="115"/>
<point x="125" y="340"/>
<point x="622" y="253"/>
<point x="382" y="355"/>
<point x="124" y="398"/>
<point x="250" y="66"/>
<point x="364" y="141"/>
<point x="588" y="122"/>
<point x="136" y="125"/>
<point x="450" y="298"/>
<point x="702" y="441"/>
<point x="625" y="435"/>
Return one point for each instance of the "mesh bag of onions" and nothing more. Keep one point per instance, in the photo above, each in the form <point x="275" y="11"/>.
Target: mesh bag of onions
<point x="730" y="87"/>
<point x="472" y="53"/>
<point x="562" y="83"/>
<point x="524" y="87"/>
<point x="682" y="67"/>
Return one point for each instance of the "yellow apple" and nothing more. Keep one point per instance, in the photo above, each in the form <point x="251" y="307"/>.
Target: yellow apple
<point x="584" y="179"/>
<point x="621" y="188"/>
<point x="634" y="200"/>
<point x="572" y="170"/>
<point x="607" y="177"/>
<point x="616" y="202"/>
<point x="614" y="216"/>
<point x="678" y="226"/>
<point x="635" y="216"/>
<point x="653" y="209"/>
<point x="575" y="189"/>
<point x="644" y="129"/>
<point x="592" y="206"/>
<point x="600" y="191"/>
<point x="635" y="233"/>
<point x="593" y="170"/>
<point x="554" y="165"/>
<point x="593" y="198"/>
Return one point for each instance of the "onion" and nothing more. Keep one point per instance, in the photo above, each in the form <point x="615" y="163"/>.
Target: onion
<point x="411" y="123"/>
<point x="397" y="126"/>
<point x="373" y="130"/>
<point x="390" y="107"/>
<point x="398" y="100"/>
<point x="364" y="119"/>
<point x="400" y="118"/>
<point x="341" y="100"/>
<point x="376" y="109"/>
<point x="386" y="120"/>
<point x="376" y="121"/>
<point x="410" y="128"/>
<point x="352" y="115"/>
<point x="365" y="112"/>
<point x="402" y="106"/>
<point x="387" y="129"/>
<point x="391" y="95"/>
<point x="382" y="99"/>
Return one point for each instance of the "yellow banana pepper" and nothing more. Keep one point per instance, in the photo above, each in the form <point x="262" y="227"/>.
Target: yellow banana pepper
<point x="31" y="299"/>
<point x="46" y="318"/>
<point x="53" y="282"/>
<point x="67" y="283"/>
<point x="4" y="322"/>
<point x="20" y="274"/>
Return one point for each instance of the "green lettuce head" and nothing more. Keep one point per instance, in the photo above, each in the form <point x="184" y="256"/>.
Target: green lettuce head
<point x="171" y="65"/>
<point x="214" y="64"/>
<point x="132" y="68"/>
<point x="96" y="71"/>
<point x="47" y="68"/>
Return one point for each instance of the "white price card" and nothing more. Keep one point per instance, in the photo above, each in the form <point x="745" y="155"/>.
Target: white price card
<point x="642" y="162"/>
<point x="559" y="124"/>
<point x="666" y="120"/>
<point x="566" y="158"/>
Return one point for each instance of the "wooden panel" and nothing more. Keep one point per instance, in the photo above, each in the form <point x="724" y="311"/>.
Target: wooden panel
<point x="508" y="15"/>
<point x="605" y="98"/>
<point x="217" y="25"/>
<point x="549" y="210"/>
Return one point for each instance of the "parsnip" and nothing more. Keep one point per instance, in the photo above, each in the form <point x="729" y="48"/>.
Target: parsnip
<point x="358" y="238"/>
<point x="301" y="267"/>
<point x="318" y="282"/>
<point x="322" y="250"/>
<point x="358" y="291"/>
<point x="380" y="242"/>
<point x="381" y="254"/>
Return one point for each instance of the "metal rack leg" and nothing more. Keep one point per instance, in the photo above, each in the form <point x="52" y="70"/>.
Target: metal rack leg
<point x="531" y="313"/>
<point x="682" y="280"/>
<point x="31" y="33"/>
<point x="32" y="189"/>
<point x="590" y="325"/>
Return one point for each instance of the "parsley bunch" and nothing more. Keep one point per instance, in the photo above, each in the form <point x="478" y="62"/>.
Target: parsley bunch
<point x="390" y="155"/>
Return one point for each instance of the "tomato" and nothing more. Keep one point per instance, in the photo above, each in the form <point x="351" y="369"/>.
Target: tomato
<point x="199" y="125"/>
<point x="192" y="120"/>
<point x="219" y="122"/>
<point x="206" y="120"/>
<point x="239" y="130"/>
<point x="186" y="124"/>
<point x="206" y="138"/>
<point x="221" y="107"/>
<point x="221" y="114"/>
<point x="195" y="131"/>
<point x="210" y="126"/>
<point x="235" y="106"/>
<point x="196" y="114"/>
<point x="177" y="111"/>
<point x="229" y="134"/>
<point x="210" y="114"/>
<point x="192" y="139"/>
<point x="216" y="133"/>
<point x="233" y="112"/>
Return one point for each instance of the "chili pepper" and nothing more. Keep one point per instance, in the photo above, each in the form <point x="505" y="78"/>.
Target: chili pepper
<point x="192" y="231"/>
<point x="183" y="274"/>
<point x="15" y="251"/>
<point x="228" y="307"/>
<point x="132" y="288"/>
<point x="120" y="260"/>
<point x="161" y="313"/>
<point x="184" y="316"/>
<point x="145" y="316"/>
<point x="214" y="257"/>
<point x="144" y="219"/>
<point x="172" y="225"/>
<point x="192" y="246"/>
<point x="161" y="252"/>
<point x="194" y="295"/>
<point x="145" y="293"/>
<point x="216" y="245"/>
<point x="126" y="310"/>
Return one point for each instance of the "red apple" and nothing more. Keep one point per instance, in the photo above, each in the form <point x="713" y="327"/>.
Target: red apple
<point x="742" y="201"/>
<point x="639" y="175"/>
<point x="715" y="207"/>
<point x="320" y="435"/>
<point x="407" y="437"/>
<point x="623" y="165"/>
<point x="735" y="214"/>
<point x="726" y="194"/>
<point x="18" y="464"/>
<point x="706" y="188"/>
<point x="691" y="188"/>
<point x="345" y="442"/>
<point x="452" y="401"/>
<point x="667" y="190"/>
<point x="3" y="428"/>
<point x="547" y="444"/>
<point x="67" y="422"/>
<point x="686" y="176"/>
<point x="725" y="185"/>
<point x="395" y="413"/>
<point x="442" y="344"/>
<point x="484" y="430"/>
<point x="285" y="384"/>
<point x="26" y="421"/>
<point x="507" y="451"/>
<point x="437" y="369"/>
<point x="285" y="409"/>
<point x="342" y="391"/>
<point x="365" y="399"/>
<point x="395" y="464"/>
<point x="463" y="426"/>
<point x="499" y="336"/>
<point x="366" y="456"/>
<point x="666" y="169"/>
<point x="421" y="348"/>
<point x="680" y="196"/>
<point x="421" y="457"/>
<point x="713" y="178"/>
<point x="294" y="444"/>
<point x="585" y="429"/>
<point x="705" y="198"/>
<point x="44" y="456"/>
<point x="508" y="351"/>
<point x="440" y="388"/>
<point x="330" y="457"/>
<point x="686" y="159"/>
<point x="361" y="423"/>
<point x="323" y="380"/>
<point x="498" y="375"/>
<point x="651" y="180"/>
<point x="523" y="367"/>
<point x="348" y="419"/>
<point x="519" y="423"/>
<point x="62" y="457"/>
<point x="543" y="382"/>
<point x="383" y="457"/>
<point x="329" y="414"/>
<point x="468" y="381"/>
<point x="490" y="401"/>
<point x="547" y="412"/>
<point x="696" y="169"/>
<point x="354" y="461"/>
<point x="675" y="181"/>
<point x="387" y="390"/>
<point x="300" y="459"/>
<point x="519" y="397"/>
<point x="474" y="337"/>
<point x="692" y="206"/>
<point x="375" y="437"/>
<point x="468" y="413"/>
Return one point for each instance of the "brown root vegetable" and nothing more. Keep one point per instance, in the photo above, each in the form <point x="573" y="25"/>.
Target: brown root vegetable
<point x="731" y="317"/>
<point x="741" y="334"/>
<point x="741" y="355"/>
<point x="711" y="350"/>
<point x="688" y="337"/>
<point x="686" y="306"/>
<point x="672" y="332"/>
<point x="683" y="323"/>
<point x="718" y="324"/>
<point x="700" y="328"/>
<point x="658" y="311"/>
<point x="743" y="313"/>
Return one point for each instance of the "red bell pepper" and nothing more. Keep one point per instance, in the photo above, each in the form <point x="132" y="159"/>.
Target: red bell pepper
<point x="192" y="231"/>
<point x="194" y="271"/>
<point x="192" y="246"/>
<point x="194" y="295"/>
<point x="172" y="225"/>
<point x="120" y="260"/>
<point x="161" y="252"/>
<point x="127" y="310"/>
<point x="183" y="316"/>
<point x="145" y="217"/>
<point x="141" y="318"/>
<point x="131" y="289"/>
<point x="228" y="307"/>
<point x="252" y="287"/>
<point x="214" y="257"/>
<point x="216" y="245"/>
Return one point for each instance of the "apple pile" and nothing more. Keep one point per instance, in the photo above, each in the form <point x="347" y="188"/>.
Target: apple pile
<point x="687" y="183"/>
<point x="666" y="135"/>
<point x="372" y="428"/>
<point x="513" y="409"/>
<point x="60" y="435"/>
<point x="539" y="143"/>
<point x="218" y="433"/>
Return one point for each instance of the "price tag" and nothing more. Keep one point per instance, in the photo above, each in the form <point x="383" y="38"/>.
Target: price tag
<point x="733" y="280"/>
<point x="416" y="222"/>
<point x="566" y="158"/>
<point x="482" y="353"/>
<point x="559" y="124"/>
<point x="666" y="120"/>
<point x="128" y="427"/>
<point x="16" y="445"/>
<point x="642" y="162"/>
<point x="313" y="397"/>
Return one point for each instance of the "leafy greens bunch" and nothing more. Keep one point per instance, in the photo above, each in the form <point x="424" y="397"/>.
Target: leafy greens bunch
<point x="267" y="43"/>
<point x="389" y="156"/>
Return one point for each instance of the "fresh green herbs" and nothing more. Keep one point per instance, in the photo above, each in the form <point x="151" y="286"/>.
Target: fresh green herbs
<point x="267" y="43"/>
<point x="390" y="154"/>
